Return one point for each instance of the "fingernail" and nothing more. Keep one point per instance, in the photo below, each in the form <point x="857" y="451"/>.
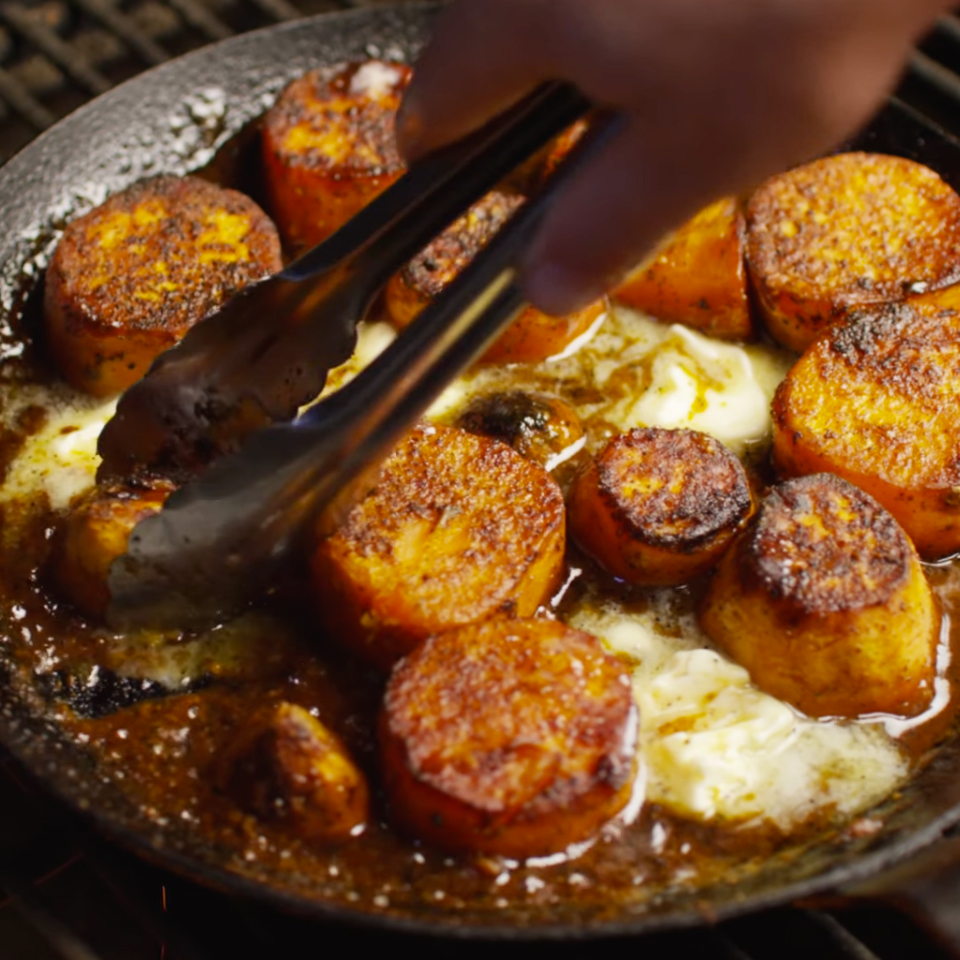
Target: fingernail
<point x="409" y="125"/>
<point x="557" y="290"/>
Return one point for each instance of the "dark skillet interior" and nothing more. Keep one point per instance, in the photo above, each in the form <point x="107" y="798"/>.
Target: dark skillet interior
<point x="173" y="120"/>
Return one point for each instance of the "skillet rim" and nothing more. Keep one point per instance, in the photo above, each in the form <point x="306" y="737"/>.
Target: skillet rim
<point x="25" y="241"/>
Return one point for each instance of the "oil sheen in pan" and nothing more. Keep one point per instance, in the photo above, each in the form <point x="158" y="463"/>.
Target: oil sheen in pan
<point x="740" y="759"/>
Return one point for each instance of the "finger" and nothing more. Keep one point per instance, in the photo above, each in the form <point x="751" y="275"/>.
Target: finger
<point x="482" y="58"/>
<point x="624" y="201"/>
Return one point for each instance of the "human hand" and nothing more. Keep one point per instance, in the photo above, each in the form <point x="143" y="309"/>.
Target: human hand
<point x="718" y="95"/>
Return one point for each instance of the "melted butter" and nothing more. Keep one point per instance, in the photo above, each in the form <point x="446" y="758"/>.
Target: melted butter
<point x="61" y="458"/>
<point x="635" y="372"/>
<point x="718" y="749"/>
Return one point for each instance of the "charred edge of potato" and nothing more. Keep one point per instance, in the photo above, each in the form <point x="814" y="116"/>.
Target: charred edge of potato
<point x="459" y="529"/>
<point x="94" y="533"/>
<point x="540" y="428"/>
<point x="825" y="603"/>
<point x="128" y="279"/>
<point x="697" y="276"/>
<point x="513" y="737"/>
<point x="329" y="147"/>
<point x="875" y="402"/>
<point x="846" y="231"/>
<point x="431" y="270"/>
<point x="658" y="507"/>
<point x="287" y="767"/>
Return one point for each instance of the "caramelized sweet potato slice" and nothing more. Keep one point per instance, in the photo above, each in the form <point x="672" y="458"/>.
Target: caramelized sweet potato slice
<point x="94" y="534"/>
<point x="510" y="737"/>
<point x="543" y="429"/>
<point x="459" y="529"/>
<point x="410" y="290"/>
<point x="328" y="147"/>
<point x="876" y="402"/>
<point x="824" y="601"/>
<point x="848" y="231"/>
<point x="697" y="276"/>
<point x="658" y="506"/>
<point x="532" y="174"/>
<point x="533" y="336"/>
<point x="128" y="279"/>
<point x="287" y="767"/>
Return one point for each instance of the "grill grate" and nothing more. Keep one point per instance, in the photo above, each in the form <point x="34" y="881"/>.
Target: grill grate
<point x="66" y="895"/>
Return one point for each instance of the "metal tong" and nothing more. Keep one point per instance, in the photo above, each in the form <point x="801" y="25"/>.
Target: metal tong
<point x="223" y="393"/>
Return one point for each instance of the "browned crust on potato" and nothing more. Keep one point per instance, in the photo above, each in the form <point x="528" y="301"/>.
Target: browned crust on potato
<point x="94" y="533"/>
<point x="697" y="276"/>
<point x="846" y="231"/>
<point x="510" y="737"/>
<point x="822" y="546"/>
<point x="824" y="601"/>
<point x="286" y="766"/>
<point x="876" y="402"/>
<point x="128" y="279"/>
<point x="329" y="146"/>
<point x="538" y="427"/>
<point x="658" y="506"/>
<point x="431" y="270"/>
<point x="460" y="528"/>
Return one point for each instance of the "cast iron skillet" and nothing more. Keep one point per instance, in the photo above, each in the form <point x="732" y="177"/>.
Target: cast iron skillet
<point x="173" y="120"/>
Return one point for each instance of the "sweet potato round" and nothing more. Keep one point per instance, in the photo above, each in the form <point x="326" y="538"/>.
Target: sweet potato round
<point x="533" y="335"/>
<point x="329" y="147"/>
<point x="824" y="601"/>
<point x="658" y="507"/>
<point x="511" y="737"/>
<point x="847" y="231"/>
<point x="287" y="767"/>
<point x="460" y="528"/>
<point x="876" y="402"/>
<point x="94" y="533"/>
<point x="697" y="276"/>
<point x="128" y="279"/>
<point x="540" y="428"/>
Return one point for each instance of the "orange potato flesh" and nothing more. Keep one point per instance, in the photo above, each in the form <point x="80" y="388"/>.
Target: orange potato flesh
<point x="825" y="603"/>
<point x="533" y="336"/>
<point x="287" y="766"/>
<point x="844" y="232"/>
<point x="697" y="276"/>
<point x="128" y="279"/>
<point x="876" y="402"/>
<point x="658" y="507"/>
<point x="329" y="147"/>
<point x="533" y="174"/>
<point x="94" y="534"/>
<point x="459" y="529"/>
<point x="509" y="737"/>
<point x="539" y="428"/>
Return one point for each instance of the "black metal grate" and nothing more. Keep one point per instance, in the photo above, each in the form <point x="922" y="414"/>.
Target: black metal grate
<point x="65" y="894"/>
